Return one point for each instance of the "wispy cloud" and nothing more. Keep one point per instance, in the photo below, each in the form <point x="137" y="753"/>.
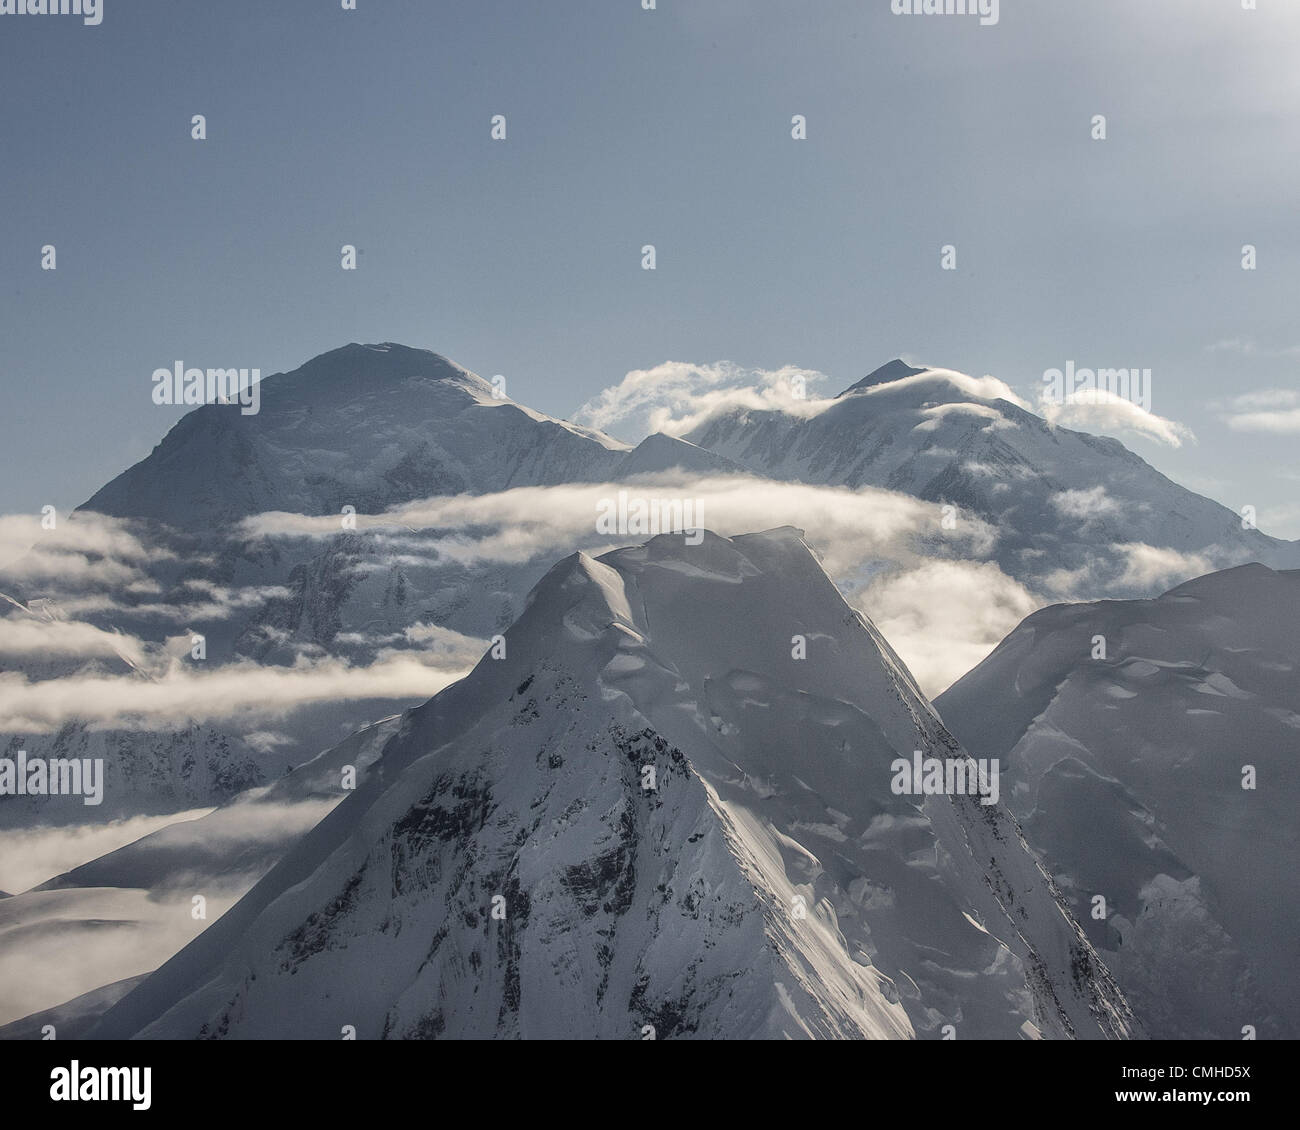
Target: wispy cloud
<point x="1100" y="410"/>
<point x="214" y="602"/>
<point x="1150" y="565"/>
<point x="1248" y="347"/>
<point x="244" y="692"/>
<point x="979" y="388"/>
<point x="1127" y="568"/>
<point x="848" y="526"/>
<point x="84" y="549"/>
<point x="676" y="396"/>
<point x="1279" y="423"/>
<point x="1087" y="505"/>
<point x="29" y="856"/>
<point x="133" y="932"/>
<point x="25" y="637"/>
<point x="970" y="606"/>
<point x="1275" y="410"/>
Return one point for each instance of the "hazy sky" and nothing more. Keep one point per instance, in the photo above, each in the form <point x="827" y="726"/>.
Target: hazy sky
<point x="670" y="127"/>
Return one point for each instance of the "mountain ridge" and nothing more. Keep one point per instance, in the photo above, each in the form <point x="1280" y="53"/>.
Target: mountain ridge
<point x="730" y="898"/>
<point x="1125" y="730"/>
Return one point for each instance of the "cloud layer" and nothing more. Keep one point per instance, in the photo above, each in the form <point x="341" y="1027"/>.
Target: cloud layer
<point x="676" y="396"/>
<point x="1100" y="410"/>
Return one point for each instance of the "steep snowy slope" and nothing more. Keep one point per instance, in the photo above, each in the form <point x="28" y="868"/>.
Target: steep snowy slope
<point x="1128" y="774"/>
<point x="650" y="814"/>
<point x="1065" y="503"/>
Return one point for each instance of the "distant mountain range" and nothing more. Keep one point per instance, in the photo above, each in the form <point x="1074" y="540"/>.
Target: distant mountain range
<point x="374" y="427"/>
<point x="506" y="867"/>
<point x="1070" y="509"/>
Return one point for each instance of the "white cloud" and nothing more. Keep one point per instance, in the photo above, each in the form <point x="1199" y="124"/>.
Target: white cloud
<point x="242" y="692"/>
<point x="944" y="617"/>
<point x="84" y="549"/>
<point x="515" y="526"/>
<point x="24" y="637"/>
<point x="1149" y="565"/>
<point x="1125" y="569"/>
<point x="266" y="741"/>
<point x="1275" y="410"/>
<point x="1248" y="347"/>
<point x="855" y="532"/>
<point x="1100" y="410"/>
<point x="676" y="396"/>
<point x="1261" y="398"/>
<point x="30" y="856"/>
<point x="936" y="413"/>
<point x="981" y="388"/>
<point x="133" y="933"/>
<point x="1281" y="422"/>
<point x="1086" y="505"/>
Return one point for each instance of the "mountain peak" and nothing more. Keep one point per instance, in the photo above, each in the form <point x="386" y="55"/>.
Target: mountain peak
<point x="894" y="370"/>
<point x="399" y="424"/>
<point x="659" y="452"/>
<point x="356" y="366"/>
<point x="649" y="778"/>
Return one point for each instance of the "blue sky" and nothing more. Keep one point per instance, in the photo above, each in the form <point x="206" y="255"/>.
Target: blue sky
<point x="672" y="127"/>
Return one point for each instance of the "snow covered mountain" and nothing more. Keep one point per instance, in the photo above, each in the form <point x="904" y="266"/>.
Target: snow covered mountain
<point x="658" y="453"/>
<point x="1126" y="729"/>
<point x="652" y="817"/>
<point x="365" y="426"/>
<point x="1068" y="507"/>
<point x="368" y="426"/>
<point x="381" y="425"/>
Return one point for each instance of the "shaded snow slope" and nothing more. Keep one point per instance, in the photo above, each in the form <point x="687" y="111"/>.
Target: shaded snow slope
<point x="1127" y="774"/>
